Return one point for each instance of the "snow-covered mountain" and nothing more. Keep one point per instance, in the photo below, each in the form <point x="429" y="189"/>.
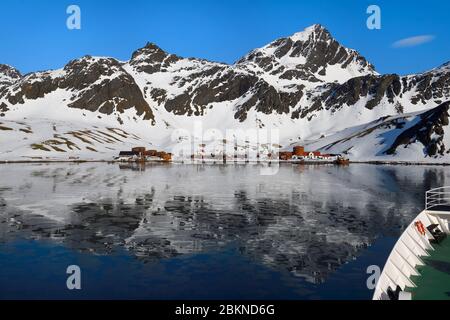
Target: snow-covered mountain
<point x="308" y="86"/>
<point x="403" y="137"/>
<point x="8" y="75"/>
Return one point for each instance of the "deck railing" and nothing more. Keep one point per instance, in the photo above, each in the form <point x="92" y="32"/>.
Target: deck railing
<point x="438" y="197"/>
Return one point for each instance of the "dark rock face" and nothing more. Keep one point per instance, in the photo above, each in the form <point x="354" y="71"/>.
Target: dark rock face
<point x="375" y="87"/>
<point x="428" y="131"/>
<point x="116" y="92"/>
<point x="226" y="85"/>
<point x="32" y="87"/>
<point x="430" y="86"/>
<point x="97" y="84"/>
<point x="3" y="108"/>
<point x="433" y="86"/>
<point x="267" y="99"/>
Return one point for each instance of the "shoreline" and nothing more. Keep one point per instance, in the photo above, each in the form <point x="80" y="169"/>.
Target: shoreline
<point x="373" y="162"/>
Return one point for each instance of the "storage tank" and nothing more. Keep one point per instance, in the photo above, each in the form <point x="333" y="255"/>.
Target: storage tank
<point x="299" y="151"/>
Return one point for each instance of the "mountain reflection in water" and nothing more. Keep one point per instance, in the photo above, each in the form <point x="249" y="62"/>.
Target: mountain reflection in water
<point x="306" y="221"/>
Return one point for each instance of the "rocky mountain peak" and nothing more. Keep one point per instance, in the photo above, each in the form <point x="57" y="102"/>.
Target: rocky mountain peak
<point x="151" y="59"/>
<point x="8" y="74"/>
<point x="315" y="32"/>
<point x="150" y="49"/>
<point x="312" y="55"/>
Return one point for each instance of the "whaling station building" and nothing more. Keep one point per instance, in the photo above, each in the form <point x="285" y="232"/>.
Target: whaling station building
<point x="140" y="154"/>
<point x="299" y="153"/>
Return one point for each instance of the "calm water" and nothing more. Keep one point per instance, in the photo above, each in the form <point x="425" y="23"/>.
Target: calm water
<point x="202" y="232"/>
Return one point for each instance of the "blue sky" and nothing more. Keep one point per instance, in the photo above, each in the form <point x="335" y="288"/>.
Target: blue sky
<point x="34" y="36"/>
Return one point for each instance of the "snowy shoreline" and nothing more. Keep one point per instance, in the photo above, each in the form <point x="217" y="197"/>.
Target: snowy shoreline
<point x="373" y="162"/>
